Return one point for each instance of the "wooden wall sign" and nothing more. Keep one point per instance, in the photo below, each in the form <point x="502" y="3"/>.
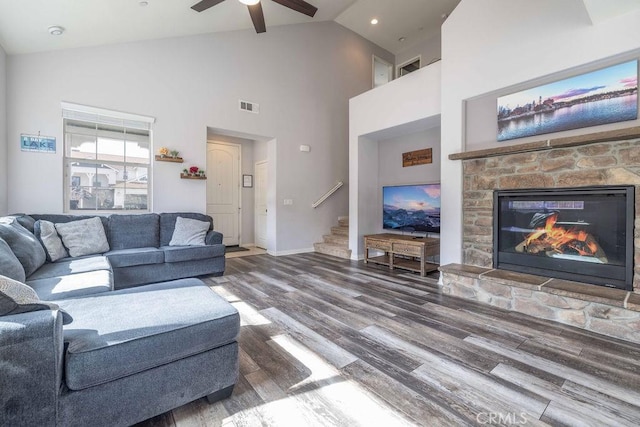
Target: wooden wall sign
<point x="418" y="157"/>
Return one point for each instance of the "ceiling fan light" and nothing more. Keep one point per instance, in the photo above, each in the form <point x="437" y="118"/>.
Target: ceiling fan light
<point x="249" y="2"/>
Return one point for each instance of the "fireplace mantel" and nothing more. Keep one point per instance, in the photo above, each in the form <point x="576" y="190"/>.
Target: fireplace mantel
<point x="571" y="141"/>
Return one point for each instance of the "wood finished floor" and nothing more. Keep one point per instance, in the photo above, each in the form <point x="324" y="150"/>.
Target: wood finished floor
<point x="329" y="342"/>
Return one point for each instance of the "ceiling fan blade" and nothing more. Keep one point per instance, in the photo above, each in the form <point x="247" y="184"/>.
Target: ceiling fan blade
<point x="299" y="6"/>
<point x="205" y="4"/>
<point x="257" y="17"/>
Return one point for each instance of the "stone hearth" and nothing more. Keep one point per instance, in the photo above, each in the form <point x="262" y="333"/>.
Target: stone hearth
<point x="604" y="158"/>
<point x="608" y="311"/>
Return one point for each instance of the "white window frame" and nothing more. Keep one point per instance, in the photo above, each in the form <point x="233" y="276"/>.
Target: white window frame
<point x="97" y="116"/>
<point x="399" y="68"/>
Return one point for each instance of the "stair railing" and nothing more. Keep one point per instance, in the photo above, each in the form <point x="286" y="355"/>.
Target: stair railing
<point x="327" y="194"/>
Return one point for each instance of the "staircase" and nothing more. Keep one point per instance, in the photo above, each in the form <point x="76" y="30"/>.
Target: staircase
<point x="336" y="243"/>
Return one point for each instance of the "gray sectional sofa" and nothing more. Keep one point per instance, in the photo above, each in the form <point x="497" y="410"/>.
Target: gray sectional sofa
<point x="111" y="338"/>
<point x="139" y="250"/>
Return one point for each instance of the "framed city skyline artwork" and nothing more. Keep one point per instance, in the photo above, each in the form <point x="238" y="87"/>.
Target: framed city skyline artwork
<point x="608" y="95"/>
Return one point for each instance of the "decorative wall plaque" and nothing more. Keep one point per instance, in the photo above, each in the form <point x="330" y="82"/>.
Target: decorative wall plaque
<point x="418" y="157"/>
<point x="42" y="144"/>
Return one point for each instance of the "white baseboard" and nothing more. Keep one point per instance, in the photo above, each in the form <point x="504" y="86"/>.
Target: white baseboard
<point x="291" y="252"/>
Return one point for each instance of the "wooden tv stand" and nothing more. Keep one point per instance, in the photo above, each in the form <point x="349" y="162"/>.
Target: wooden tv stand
<point x="406" y="252"/>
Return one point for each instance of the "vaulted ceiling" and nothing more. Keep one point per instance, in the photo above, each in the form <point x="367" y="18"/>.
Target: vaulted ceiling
<point x="24" y="23"/>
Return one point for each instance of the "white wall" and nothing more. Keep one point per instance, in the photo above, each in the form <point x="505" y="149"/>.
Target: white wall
<point x="491" y="44"/>
<point x="260" y="151"/>
<point x="404" y="106"/>
<point x="191" y="83"/>
<point x="390" y="169"/>
<point x="3" y="132"/>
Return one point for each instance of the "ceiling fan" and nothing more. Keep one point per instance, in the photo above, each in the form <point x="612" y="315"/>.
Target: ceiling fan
<point x="255" y="9"/>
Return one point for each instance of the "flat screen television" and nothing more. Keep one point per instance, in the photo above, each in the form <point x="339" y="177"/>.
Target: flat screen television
<point x="411" y="208"/>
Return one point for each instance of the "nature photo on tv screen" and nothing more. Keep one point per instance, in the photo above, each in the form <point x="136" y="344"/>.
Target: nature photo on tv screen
<point x="412" y="208"/>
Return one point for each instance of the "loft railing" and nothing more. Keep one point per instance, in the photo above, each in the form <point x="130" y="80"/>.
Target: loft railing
<point x="327" y="194"/>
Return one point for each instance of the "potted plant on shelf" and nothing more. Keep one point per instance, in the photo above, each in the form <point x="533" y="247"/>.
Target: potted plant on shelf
<point x="163" y="151"/>
<point x="174" y="153"/>
<point x="193" y="170"/>
<point x="201" y="173"/>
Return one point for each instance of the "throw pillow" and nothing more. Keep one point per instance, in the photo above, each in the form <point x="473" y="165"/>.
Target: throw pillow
<point x="84" y="237"/>
<point x="26" y="221"/>
<point x="168" y="223"/>
<point x="46" y="232"/>
<point x="9" y="264"/>
<point x="16" y="297"/>
<point x="134" y="231"/>
<point x="24" y="244"/>
<point x="189" y="232"/>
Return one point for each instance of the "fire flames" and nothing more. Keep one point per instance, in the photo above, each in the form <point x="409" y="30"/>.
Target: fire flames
<point x="557" y="239"/>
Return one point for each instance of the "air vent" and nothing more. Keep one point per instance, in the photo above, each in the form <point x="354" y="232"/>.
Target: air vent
<point x="250" y="107"/>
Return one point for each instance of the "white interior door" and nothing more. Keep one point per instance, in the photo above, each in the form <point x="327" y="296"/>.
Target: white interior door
<point x="382" y="71"/>
<point x="223" y="190"/>
<point x="261" y="204"/>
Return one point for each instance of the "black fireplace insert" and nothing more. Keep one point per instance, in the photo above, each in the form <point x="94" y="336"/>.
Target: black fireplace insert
<point x="583" y="234"/>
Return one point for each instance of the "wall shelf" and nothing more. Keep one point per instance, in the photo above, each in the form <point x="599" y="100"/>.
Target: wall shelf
<point x="183" y="176"/>
<point x="169" y="159"/>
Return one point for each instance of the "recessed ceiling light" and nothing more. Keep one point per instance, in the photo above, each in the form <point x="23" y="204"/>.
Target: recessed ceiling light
<point x="374" y="21"/>
<point x="56" y="30"/>
<point x="401" y="39"/>
<point x="143" y="3"/>
<point x="250" y="2"/>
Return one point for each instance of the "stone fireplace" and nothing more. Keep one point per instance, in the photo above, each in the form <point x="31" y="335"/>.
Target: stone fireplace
<point x="594" y="160"/>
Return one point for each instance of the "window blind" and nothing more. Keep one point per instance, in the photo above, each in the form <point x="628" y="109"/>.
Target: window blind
<point x="107" y="117"/>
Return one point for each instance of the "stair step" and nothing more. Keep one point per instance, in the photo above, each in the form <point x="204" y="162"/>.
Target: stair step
<point x="343" y="221"/>
<point x="342" y="231"/>
<point x="336" y="239"/>
<point x="334" y="250"/>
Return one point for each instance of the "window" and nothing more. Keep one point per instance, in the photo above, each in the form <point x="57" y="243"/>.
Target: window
<point x="107" y="162"/>
<point x="409" y="67"/>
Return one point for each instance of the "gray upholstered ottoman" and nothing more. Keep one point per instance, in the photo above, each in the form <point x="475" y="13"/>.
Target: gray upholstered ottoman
<point x="135" y="351"/>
